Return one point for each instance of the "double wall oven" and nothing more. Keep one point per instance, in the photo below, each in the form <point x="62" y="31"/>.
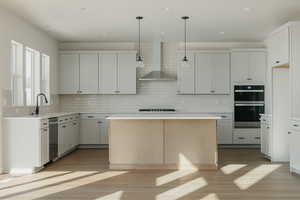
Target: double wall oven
<point x="249" y="103"/>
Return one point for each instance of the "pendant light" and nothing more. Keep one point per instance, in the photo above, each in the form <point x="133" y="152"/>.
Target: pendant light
<point x="139" y="58"/>
<point x="185" y="59"/>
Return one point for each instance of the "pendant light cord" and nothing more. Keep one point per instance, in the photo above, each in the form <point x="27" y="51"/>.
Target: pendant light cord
<point x="185" y="38"/>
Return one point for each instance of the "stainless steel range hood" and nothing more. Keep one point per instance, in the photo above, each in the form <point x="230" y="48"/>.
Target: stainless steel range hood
<point x="157" y="74"/>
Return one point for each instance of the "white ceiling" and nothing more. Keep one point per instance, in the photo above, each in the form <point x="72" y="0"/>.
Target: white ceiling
<point x="114" y="20"/>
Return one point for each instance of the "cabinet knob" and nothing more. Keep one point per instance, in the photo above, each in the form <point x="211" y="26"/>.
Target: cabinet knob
<point x="289" y="132"/>
<point x="296" y="125"/>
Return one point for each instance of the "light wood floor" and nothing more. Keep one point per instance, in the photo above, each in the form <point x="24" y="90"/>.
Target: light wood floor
<point x="84" y="174"/>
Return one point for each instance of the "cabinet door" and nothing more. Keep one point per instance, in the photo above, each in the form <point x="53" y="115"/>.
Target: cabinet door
<point x="204" y="73"/>
<point x="280" y="47"/>
<point x="295" y="70"/>
<point x="89" y="73"/>
<point x="294" y="139"/>
<point x="62" y="131"/>
<point x="264" y="138"/>
<point x="44" y="146"/>
<point x="239" y="67"/>
<point x="186" y="74"/>
<point x="69" y="74"/>
<point x="103" y="131"/>
<point x="90" y="131"/>
<point x="224" y="131"/>
<point x="108" y="73"/>
<point x="126" y="73"/>
<point x="221" y="73"/>
<point x="257" y="66"/>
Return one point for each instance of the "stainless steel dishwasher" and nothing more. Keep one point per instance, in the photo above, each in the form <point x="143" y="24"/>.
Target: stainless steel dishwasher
<point x="53" y="139"/>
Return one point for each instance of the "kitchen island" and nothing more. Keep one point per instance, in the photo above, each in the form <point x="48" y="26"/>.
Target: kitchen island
<point x="164" y="141"/>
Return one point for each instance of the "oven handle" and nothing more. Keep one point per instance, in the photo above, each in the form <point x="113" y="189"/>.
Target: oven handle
<point x="249" y="91"/>
<point x="253" y="104"/>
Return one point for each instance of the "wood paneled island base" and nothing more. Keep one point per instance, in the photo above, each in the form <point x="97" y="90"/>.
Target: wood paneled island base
<point x="179" y="143"/>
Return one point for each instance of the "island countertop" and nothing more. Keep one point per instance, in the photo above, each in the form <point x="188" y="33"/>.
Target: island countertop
<point x="162" y="116"/>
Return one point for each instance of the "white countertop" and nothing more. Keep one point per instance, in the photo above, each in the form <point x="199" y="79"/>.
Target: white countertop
<point x="162" y="116"/>
<point x="41" y="116"/>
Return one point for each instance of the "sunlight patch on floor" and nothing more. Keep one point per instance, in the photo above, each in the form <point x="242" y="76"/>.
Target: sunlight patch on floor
<point x="183" y="190"/>
<point x="254" y="176"/>
<point x="173" y="176"/>
<point x="27" y="179"/>
<point x="229" y="169"/>
<point x="212" y="196"/>
<point x="58" y="184"/>
<point x="113" y="196"/>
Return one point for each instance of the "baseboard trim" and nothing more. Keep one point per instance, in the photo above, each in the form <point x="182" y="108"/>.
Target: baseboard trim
<point x="239" y="146"/>
<point x="163" y="166"/>
<point x="93" y="146"/>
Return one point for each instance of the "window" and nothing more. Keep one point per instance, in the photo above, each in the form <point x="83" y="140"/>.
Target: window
<point x="45" y="79"/>
<point x="32" y="75"/>
<point x="17" y="93"/>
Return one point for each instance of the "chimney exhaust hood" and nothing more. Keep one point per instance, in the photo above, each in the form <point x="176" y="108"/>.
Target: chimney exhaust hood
<point x="157" y="74"/>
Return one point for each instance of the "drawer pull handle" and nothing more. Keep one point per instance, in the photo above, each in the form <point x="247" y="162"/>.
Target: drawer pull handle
<point x="296" y="125"/>
<point x="99" y="122"/>
<point x="289" y="132"/>
<point x="44" y="123"/>
<point x="241" y="138"/>
<point x="64" y="126"/>
<point x="258" y="138"/>
<point x="45" y="129"/>
<point x="90" y="116"/>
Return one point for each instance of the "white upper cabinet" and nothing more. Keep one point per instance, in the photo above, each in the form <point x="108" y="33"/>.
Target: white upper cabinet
<point x="89" y="73"/>
<point x="248" y="66"/>
<point x="212" y="73"/>
<point x="69" y="74"/>
<point x="108" y="73"/>
<point x="127" y="73"/>
<point x="93" y="72"/>
<point x="279" y="47"/>
<point x="117" y="73"/>
<point x="221" y="71"/>
<point x="206" y="73"/>
<point x="186" y="74"/>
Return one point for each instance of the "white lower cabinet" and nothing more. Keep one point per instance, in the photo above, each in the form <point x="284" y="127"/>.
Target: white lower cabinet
<point x="93" y="130"/>
<point x="44" y="146"/>
<point x="265" y="134"/>
<point x="294" y="147"/>
<point x="224" y="131"/>
<point x="246" y="136"/>
<point x="68" y="133"/>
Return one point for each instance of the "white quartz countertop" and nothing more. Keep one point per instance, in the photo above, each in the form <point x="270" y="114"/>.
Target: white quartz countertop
<point x="162" y="116"/>
<point x="41" y="116"/>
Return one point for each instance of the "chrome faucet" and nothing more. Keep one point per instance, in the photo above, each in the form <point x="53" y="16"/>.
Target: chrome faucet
<point x="37" y="108"/>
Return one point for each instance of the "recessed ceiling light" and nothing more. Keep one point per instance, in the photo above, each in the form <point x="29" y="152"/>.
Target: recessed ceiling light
<point x="247" y="9"/>
<point x="222" y="32"/>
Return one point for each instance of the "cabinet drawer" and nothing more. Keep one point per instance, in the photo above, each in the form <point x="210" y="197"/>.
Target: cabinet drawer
<point x="254" y="131"/>
<point x="246" y="139"/>
<point x="44" y="123"/>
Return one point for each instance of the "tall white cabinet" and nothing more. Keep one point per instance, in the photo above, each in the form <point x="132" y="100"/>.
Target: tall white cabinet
<point x="206" y="73"/>
<point x="97" y="72"/>
<point x="284" y="53"/>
